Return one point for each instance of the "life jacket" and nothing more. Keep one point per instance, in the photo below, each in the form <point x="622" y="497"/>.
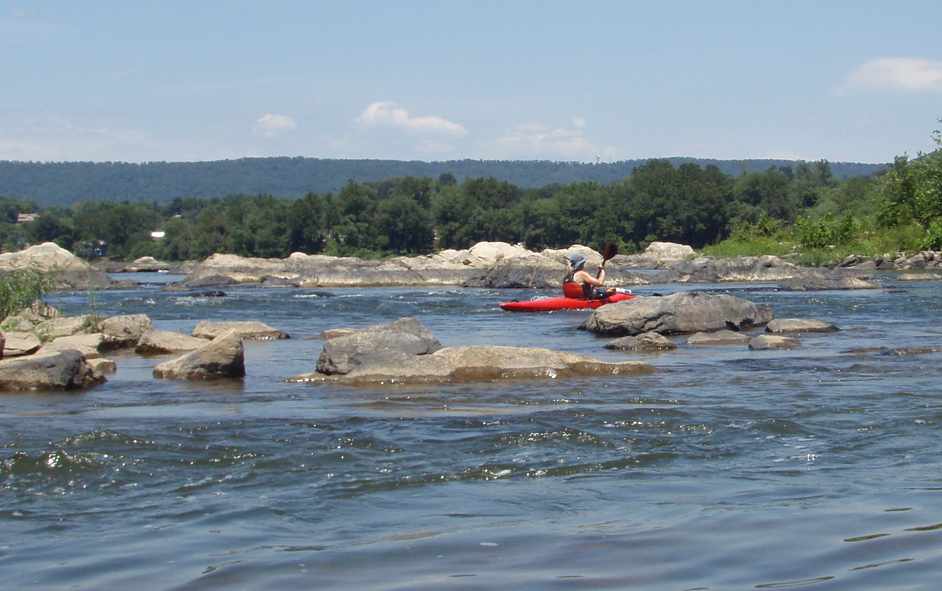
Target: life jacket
<point x="572" y="289"/>
<point x="580" y="291"/>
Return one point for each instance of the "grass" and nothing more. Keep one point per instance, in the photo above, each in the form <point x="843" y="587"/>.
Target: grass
<point x="19" y="289"/>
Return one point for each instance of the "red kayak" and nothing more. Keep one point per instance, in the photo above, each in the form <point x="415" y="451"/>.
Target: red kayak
<point x="562" y="303"/>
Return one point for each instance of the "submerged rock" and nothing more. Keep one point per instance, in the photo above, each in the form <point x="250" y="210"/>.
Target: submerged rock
<point x="766" y="341"/>
<point x="223" y="357"/>
<point x="159" y="342"/>
<point x="799" y="325"/>
<point x="678" y="313"/>
<point x="247" y="329"/>
<point x="816" y="280"/>
<point x="648" y="342"/>
<point x="398" y="341"/>
<point x="66" y="370"/>
<point x="719" y="337"/>
<point x="473" y="364"/>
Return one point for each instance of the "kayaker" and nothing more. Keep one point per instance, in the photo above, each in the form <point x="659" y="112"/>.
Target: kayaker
<point x="580" y="284"/>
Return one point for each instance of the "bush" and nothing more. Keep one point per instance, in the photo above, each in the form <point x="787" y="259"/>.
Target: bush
<point x="19" y="289"/>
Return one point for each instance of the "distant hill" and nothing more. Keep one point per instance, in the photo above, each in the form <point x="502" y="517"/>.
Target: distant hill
<point x="63" y="183"/>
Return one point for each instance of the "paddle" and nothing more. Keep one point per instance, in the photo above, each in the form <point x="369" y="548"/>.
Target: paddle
<point x="609" y="250"/>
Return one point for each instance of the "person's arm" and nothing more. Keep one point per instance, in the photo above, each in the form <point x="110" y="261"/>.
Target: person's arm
<point x="583" y="277"/>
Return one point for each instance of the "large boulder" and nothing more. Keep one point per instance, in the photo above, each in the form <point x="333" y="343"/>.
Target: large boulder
<point x="679" y="313"/>
<point x="66" y="270"/>
<point x="64" y="370"/>
<point x="798" y="325"/>
<point x="223" y="357"/>
<point x="159" y="342"/>
<point x="125" y="330"/>
<point x="247" y="329"/>
<point x="648" y="342"/>
<point x="89" y="345"/>
<point x="20" y="343"/>
<point x="385" y="344"/>
<point x="475" y="364"/>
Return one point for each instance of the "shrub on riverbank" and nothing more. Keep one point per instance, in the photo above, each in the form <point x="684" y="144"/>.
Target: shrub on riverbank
<point x="19" y="289"/>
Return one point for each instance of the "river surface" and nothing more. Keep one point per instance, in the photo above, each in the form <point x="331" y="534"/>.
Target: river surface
<point x="724" y="469"/>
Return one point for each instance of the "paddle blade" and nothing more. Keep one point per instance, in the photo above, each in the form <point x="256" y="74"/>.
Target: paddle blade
<point x="609" y="250"/>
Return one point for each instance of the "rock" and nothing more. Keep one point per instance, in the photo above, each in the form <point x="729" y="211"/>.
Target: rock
<point x="491" y="252"/>
<point x="669" y="251"/>
<point x="89" y="345"/>
<point x="159" y="342"/>
<point x="65" y="370"/>
<point x="247" y="329"/>
<point x="816" y="280"/>
<point x="20" y="343"/>
<point x="765" y="341"/>
<point x="678" y="313"/>
<point x="223" y="357"/>
<point x="644" y="342"/>
<point x="474" y="364"/>
<point x="101" y="366"/>
<point x="892" y="351"/>
<point x="521" y="272"/>
<point x="66" y="326"/>
<point x="719" y="337"/>
<point x="798" y="325"/>
<point x="27" y="319"/>
<point x="402" y="339"/>
<point x="66" y="270"/>
<point x="918" y="277"/>
<point x="333" y="333"/>
<point x="125" y="330"/>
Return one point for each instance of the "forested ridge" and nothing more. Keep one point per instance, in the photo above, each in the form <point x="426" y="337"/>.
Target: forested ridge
<point x="64" y="183"/>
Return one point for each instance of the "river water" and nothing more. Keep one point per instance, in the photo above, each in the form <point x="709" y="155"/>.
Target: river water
<point x="724" y="469"/>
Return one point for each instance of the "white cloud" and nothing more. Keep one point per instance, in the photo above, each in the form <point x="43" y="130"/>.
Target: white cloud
<point x="538" y="141"/>
<point x="390" y="115"/>
<point x="897" y="73"/>
<point x="271" y="124"/>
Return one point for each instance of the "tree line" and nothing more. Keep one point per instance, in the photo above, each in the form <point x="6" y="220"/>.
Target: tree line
<point x="780" y="210"/>
<point x="64" y="183"/>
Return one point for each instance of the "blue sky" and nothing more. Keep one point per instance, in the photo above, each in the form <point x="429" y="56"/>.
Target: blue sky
<point x="135" y="81"/>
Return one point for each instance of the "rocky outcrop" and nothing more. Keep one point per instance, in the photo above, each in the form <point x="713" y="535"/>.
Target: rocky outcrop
<point x="125" y="330"/>
<point x="89" y="345"/>
<point x="474" y="364"/>
<point x="20" y="343"/>
<point x="223" y="357"/>
<point x="679" y="313"/>
<point x="798" y="325"/>
<point x="26" y="320"/>
<point x="765" y="342"/>
<point x="66" y="270"/>
<point x="247" y="329"/>
<point x="379" y="345"/>
<point x="648" y="342"/>
<point x="160" y="342"/>
<point x="719" y="337"/>
<point x="66" y="370"/>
